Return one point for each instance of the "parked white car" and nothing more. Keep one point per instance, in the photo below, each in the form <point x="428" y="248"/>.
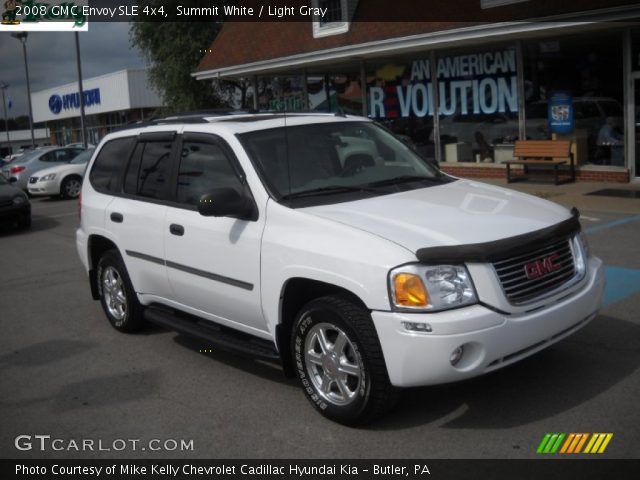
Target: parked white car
<point x="62" y="180"/>
<point x="326" y="243"/>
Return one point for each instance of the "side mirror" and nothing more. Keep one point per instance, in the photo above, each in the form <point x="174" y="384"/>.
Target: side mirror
<point x="227" y="202"/>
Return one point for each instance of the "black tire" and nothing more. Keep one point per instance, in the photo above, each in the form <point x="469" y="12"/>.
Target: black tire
<point x="119" y="302"/>
<point x="350" y="399"/>
<point x="70" y="187"/>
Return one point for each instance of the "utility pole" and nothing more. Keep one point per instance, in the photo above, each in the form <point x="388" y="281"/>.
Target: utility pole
<point x="4" y="87"/>
<point x="83" y="123"/>
<point x="22" y="36"/>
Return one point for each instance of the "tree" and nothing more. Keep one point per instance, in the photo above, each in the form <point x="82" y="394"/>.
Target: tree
<point x="174" y="50"/>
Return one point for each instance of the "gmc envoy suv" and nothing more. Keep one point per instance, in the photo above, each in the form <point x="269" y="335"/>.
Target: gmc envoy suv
<point x="327" y="243"/>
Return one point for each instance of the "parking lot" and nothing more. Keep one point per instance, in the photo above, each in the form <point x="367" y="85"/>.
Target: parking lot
<point x="65" y="372"/>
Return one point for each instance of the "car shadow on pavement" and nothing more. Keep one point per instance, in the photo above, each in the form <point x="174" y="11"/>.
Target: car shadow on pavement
<point x="560" y="378"/>
<point x="94" y="392"/>
<point x="262" y="368"/>
<point x="38" y="223"/>
<point x="106" y="390"/>
<point x="44" y="353"/>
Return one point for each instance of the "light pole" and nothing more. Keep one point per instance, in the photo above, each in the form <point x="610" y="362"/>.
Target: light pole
<point x="83" y="124"/>
<point x="22" y="36"/>
<point x="4" y="87"/>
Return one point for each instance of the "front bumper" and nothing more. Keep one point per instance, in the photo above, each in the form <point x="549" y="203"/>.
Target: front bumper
<point x="491" y="339"/>
<point x="50" y="188"/>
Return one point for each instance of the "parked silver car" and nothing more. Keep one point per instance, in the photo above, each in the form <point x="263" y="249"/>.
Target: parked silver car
<point x="19" y="171"/>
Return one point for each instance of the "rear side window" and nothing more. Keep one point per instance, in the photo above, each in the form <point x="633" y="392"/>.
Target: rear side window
<point x="149" y="169"/>
<point x="107" y="168"/>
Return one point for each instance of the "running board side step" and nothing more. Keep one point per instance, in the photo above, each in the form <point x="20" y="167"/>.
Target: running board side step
<point x="215" y="335"/>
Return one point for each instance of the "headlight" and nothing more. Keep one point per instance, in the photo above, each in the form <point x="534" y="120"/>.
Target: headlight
<point x="46" y="178"/>
<point x="582" y="238"/>
<point x="580" y="250"/>
<point x="432" y="288"/>
<point x="19" y="200"/>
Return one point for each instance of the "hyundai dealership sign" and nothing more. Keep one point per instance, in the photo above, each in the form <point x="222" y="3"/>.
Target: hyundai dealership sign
<point x="72" y="100"/>
<point x="112" y="92"/>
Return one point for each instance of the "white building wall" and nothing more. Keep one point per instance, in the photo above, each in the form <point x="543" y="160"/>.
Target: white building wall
<point x="120" y="90"/>
<point x="141" y="93"/>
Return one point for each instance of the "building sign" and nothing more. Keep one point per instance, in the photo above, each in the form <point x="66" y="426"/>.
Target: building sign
<point x="561" y="116"/>
<point x="478" y="83"/>
<point x="72" y="100"/>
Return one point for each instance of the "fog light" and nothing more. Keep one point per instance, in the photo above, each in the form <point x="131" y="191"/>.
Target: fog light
<point x="417" y="327"/>
<point x="456" y="355"/>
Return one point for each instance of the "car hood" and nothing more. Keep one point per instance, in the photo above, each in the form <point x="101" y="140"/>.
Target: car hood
<point x="64" y="169"/>
<point x="457" y="213"/>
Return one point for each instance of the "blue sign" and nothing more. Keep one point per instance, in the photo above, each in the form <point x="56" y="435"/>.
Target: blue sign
<point x="55" y="104"/>
<point x="561" y="113"/>
<point x="72" y="100"/>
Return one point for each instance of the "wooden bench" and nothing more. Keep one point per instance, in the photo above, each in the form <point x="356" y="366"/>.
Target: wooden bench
<point x="542" y="153"/>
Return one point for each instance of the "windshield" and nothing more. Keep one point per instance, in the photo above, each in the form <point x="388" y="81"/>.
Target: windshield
<point x="83" y="157"/>
<point x="336" y="157"/>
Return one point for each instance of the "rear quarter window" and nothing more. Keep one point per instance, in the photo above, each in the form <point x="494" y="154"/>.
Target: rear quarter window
<point x="108" y="167"/>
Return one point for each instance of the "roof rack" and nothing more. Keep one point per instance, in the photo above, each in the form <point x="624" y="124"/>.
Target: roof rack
<point x="196" y="116"/>
<point x="206" y="116"/>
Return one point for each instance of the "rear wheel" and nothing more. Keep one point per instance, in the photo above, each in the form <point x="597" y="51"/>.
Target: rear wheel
<point x="339" y="361"/>
<point x="117" y="296"/>
<point x="71" y="186"/>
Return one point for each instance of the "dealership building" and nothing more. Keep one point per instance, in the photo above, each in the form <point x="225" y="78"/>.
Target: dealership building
<point x="111" y="101"/>
<point x="494" y="70"/>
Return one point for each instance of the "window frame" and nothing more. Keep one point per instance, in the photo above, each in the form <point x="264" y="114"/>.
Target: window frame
<point x="117" y="191"/>
<point x="334" y="28"/>
<point x="210" y="138"/>
<point x="146" y="137"/>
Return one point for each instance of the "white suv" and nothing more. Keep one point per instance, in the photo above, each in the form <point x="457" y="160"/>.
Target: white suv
<point x="325" y="242"/>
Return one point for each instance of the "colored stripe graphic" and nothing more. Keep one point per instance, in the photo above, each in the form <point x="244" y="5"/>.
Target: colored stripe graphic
<point x="550" y="443"/>
<point x="573" y="443"/>
<point x="598" y="443"/>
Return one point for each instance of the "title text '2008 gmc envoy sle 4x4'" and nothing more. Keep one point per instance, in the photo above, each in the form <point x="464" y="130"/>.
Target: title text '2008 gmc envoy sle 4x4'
<point x="326" y="242"/>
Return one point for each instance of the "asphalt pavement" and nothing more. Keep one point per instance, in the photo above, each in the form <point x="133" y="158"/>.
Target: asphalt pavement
<point x="65" y="372"/>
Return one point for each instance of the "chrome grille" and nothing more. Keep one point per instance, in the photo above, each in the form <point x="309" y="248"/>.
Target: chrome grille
<point x="520" y="288"/>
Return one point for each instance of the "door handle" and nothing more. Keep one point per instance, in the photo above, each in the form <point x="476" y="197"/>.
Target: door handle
<point x="176" y="229"/>
<point x="116" y="217"/>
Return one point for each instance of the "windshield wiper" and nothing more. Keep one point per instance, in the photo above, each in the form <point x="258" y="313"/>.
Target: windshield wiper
<point x="404" y="179"/>
<point x="328" y="190"/>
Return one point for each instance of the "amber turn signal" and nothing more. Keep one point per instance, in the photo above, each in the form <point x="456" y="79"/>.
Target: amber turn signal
<point x="410" y="291"/>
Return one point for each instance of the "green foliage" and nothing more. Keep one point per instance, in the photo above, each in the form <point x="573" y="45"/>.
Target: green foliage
<point x="174" y="50"/>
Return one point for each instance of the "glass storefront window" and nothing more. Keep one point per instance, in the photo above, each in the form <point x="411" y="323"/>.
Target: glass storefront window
<point x="478" y="96"/>
<point x="281" y="93"/>
<point x="400" y="97"/>
<point x="586" y="72"/>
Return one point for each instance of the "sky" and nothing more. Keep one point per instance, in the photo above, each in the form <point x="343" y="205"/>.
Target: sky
<point x="52" y="59"/>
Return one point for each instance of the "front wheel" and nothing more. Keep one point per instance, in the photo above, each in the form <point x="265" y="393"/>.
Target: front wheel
<point x="70" y="187"/>
<point x="339" y="361"/>
<point x="117" y="296"/>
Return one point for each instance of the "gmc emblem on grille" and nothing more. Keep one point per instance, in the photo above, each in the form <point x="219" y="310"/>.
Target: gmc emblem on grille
<point x="542" y="267"/>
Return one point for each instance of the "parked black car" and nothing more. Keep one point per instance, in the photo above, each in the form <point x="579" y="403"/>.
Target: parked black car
<point x="14" y="205"/>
